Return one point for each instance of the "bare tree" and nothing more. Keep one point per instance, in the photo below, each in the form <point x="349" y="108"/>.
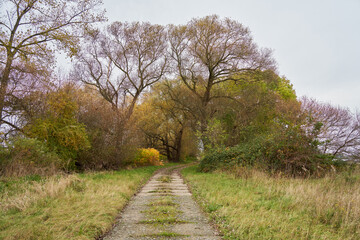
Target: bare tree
<point x="209" y="51"/>
<point x="27" y="27"/>
<point x="122" y="63"/>
<point x="336" y="129"/>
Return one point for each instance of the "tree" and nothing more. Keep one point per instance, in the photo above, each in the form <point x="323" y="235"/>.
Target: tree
<point x="209" y="51"/>
<point x="56" y="125"/>
<point x="122" y="63"/>
<point x="164" y="120"/>
<point x="335" y="130"/>
<point x="29" y="27"/>
<point x="100" y="121"/>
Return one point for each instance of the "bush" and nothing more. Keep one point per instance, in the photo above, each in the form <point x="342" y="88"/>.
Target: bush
<point x="147" y="156"/>
<point x="230" y="157"/>
<point x="59" y="128"/>
<point x="288" y="152"/>
<point x="25" y="156"/>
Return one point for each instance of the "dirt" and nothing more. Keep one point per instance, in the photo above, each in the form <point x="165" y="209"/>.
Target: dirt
<point x="163" y="209"/>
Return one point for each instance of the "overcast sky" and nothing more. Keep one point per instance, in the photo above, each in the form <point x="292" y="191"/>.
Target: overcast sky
<point x="316" y="43"/>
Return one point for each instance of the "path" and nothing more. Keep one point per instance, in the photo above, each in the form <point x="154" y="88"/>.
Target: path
<point x="164" y="209"/>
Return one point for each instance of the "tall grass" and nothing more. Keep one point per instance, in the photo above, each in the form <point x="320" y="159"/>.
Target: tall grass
<point x="252" y="205"/>
<point x="78" y="206"/>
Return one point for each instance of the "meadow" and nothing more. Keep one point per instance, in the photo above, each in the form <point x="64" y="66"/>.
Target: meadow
<point x="75" y="206"/>
<point x="248" y="204"/>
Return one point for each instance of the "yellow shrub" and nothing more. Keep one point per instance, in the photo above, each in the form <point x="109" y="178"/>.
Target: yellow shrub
<point x="148" y="156"/>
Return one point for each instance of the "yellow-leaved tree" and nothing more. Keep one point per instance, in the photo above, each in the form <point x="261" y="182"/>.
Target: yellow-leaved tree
<point x="58" y="127"/>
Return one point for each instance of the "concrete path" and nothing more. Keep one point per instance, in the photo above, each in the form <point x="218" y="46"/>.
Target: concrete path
<point x="164" y="209"/>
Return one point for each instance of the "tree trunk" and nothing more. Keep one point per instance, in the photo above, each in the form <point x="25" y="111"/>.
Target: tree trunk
<point x="204" y="123"/>
<point x="119" y="135"/>
<point x="4" y="85"/>
<point x="167" y="147"/>
<point x="178" y="141"/>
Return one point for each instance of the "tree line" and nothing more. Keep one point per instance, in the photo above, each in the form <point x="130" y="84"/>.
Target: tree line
<point x="203" y="88"/>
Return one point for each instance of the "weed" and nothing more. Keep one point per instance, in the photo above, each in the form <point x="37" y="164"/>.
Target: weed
<point x="162" y="211"/>
<point x="166" y="235"/>
<point x="171" y="220"/>
<point x="164" y="179"/>
<point x="161" y="190"/>
<point x="164" y="201"/>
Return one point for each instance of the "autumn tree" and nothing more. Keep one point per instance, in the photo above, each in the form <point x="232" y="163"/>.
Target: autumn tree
<point x="122" y="62"/>
<point x="30" y="28"/>
<point x="99" y="119"/>
<point x="209" y="51"/>
<point x="54" y="122"/>
<point x="165" y="119"/>
<point x="335" y="130"/>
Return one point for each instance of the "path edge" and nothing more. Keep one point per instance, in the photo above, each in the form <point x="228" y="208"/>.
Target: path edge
<point x="211" y="220"/>
<point x="138" y="190"/>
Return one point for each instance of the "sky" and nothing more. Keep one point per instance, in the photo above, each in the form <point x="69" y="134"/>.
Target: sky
<point x="316" y="43"/>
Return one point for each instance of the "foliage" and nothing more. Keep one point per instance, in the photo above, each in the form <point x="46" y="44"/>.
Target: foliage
<point x="148" y="156"/>
<point x="99" y="120"/>
<point x="249" y="106"/>
<point x="288" y="152"/>
<point x="121" y="63"/>
<point x="204" y="85"/>
<point x="210" y="51"/>
<point x="214" y="135"/>
<point x="59" y="128"/>
<point x="261" y="125"/>
<point x="29" y="32"/>
<point x="165" y="122"/>
<point x="24" y="156"/>
<point x="335" y="129"/>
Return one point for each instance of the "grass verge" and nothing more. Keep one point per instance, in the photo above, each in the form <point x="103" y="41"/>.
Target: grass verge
<point x="78" y="206"/>
<point x="261" y="207"/>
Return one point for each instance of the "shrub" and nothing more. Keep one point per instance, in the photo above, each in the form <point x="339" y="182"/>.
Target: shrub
<point x="24" y="156"/>
<point x="59" y="128"/>
<point x="229" y="157"/>
<point x="147" y="156"/>
<point x="288" y="152"/>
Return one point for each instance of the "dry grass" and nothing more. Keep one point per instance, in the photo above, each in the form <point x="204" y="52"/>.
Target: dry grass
<point x="18" y="168"/>
<point x="253" y="205"/>
<point x="28" y="194"/>
<point x="81" y="206"/>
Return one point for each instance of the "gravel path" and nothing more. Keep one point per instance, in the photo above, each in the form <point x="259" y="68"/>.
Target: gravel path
<point x="164" y="209"/>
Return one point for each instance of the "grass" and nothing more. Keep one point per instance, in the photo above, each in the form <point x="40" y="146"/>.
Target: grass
<point x="163" y="201"/>
<point x="165" y="235"/>
<point x="256" y="206"/>
<point x="161" y="191"/>
<point x="163" y="220"/>
<point x="162" y="210"/>
<point x="78" y="206"/>
<point x="164" y="179"/>
<point x="164" y="213"/>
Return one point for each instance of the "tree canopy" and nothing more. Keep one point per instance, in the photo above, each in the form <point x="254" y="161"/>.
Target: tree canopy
<point x="203" y="89"/>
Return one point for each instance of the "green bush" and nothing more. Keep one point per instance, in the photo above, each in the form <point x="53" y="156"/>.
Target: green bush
<point x="228" y="157"/>
<point x="24" y="156"/>
<point x="4" y="156"/>
<point x="288" y="152"/>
